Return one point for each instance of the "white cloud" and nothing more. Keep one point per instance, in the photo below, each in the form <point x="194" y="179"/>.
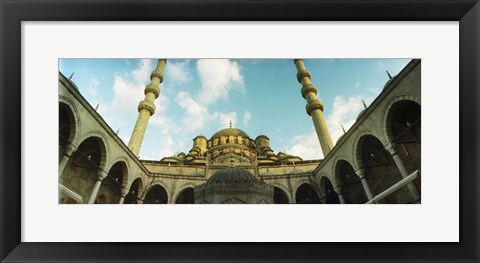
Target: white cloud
<point x="92" y="88"/>
<point x="305" y="146"/>
<point x="225" y="119"/>
<point x="178" y="72"/>
<point x="374" y="90"/>
<point x="246" y="117"/>
<point x="196" y="115"/>
<point x="166" y="147"/>
<point x="218" y="77"/>
<point x="142" y="73"/>
<point x="127" y="95"/>
<point x="128" y="90"/>
<point x="357" y="84"/>
<point x="344" y="112"/>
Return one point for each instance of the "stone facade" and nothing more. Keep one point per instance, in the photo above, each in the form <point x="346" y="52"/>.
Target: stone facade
<point x="379" y="150"/>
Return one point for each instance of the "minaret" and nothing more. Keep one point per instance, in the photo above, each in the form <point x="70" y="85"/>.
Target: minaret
<point x="314" y="107"/>
<point x="146" y="108"/>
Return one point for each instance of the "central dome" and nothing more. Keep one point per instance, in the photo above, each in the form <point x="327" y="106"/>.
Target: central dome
<point x="230" y="131"/>
<point x="233" y="175"/>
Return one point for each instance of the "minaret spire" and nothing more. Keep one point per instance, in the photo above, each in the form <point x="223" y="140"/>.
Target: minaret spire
<point x="230" y="123"/>
<point x="314" y="107"/>
<point x="146" y="108"/>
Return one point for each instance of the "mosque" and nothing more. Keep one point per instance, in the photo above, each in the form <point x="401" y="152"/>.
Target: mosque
<point x="376" y="161"/>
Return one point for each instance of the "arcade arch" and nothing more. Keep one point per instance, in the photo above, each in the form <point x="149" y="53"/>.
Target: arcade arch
<point x="156" y="195"/>
<point x="349" y="184"/>
<point x="134" y="192"/>
<point x="186" y="196"/>
<point x="380" y="169"/>
<point x="84" y="167"/>
<point x="404" y="130"/>
<point x="306" y="194"/>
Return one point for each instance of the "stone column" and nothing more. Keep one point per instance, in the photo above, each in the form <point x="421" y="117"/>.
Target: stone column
<point x="146" y="108"/>
<point x="314" y="107"/>
<point x="361" y="174"/>
<point x="96" y="187"/>
<point x="340" y="197"/>
<point x="66" y="156"/>
<point x="392" y="149"/>
<point x="124" y="194"/>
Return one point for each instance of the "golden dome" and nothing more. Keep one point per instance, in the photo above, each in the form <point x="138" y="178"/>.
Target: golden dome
<point x="230" y="132"/>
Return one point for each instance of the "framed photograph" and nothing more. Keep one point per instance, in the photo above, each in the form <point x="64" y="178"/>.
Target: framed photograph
<point x="254" y="57"/>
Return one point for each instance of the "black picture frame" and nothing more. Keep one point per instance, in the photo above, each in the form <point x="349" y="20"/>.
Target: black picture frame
<point x="13" y="12"/>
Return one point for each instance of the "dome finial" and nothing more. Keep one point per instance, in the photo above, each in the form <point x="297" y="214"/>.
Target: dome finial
<point x="388" y="73"/>
<point x="230" y="123"/>
<point x="364" y="105"/>
<point x="343" y="129"/>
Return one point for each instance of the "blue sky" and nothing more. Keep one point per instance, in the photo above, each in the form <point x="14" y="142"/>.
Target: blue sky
<point x="260" y="96"/>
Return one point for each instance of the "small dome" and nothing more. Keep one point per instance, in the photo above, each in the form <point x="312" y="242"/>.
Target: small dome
<point x="233" y="175"/>
<point x="230" y="131"/>
<point x="389" y="81"/>
<point x="261" y="136"/>
<point x="200" y="137"/>
<point x="361" y="113"/>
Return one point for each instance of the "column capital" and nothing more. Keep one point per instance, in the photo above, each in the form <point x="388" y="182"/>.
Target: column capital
<point x="101" y="175"/>
<point x="69" y="150"/>
<point x="391" y="148"/>
<point x="124" y="192"/>
<point x="360" y="172"/>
